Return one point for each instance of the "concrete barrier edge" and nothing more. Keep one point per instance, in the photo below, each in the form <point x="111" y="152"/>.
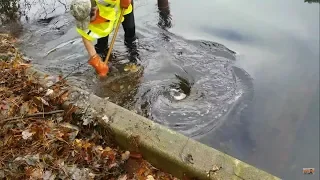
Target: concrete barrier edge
<point x="162" y="147"/>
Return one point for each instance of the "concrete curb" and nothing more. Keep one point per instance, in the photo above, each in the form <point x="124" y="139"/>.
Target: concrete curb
<point x="162" y="147"/>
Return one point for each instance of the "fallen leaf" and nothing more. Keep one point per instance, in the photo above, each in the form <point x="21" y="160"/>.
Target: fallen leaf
<point x="110" y="155"/>
<point x="48" y="175"/>
<point x="78" y="143"/>
<point x="125" y="156"/>
<point x="141" y="171"/>
<point x="107" y="149"/>
<point x="37" y="173"/>
<point x="32" y="109"/>
<point x="49" y="92"/>
<point x="105" y="154"/>
<point x="91" y="176"/>
<point x="123" y="177"/>
<point x="105" y="118"/>
<point x="59" y="135"/>
<point x="87" y="121"/>
<point x="24" y="108"/>
<point x="131" y="67"/>
<point x="26" y="65"/>
<point x="31" y="160"/>
<point x="113" y="165"/>
<point x="28" y="171"/>
<point x="76" y="173"/>
<point x="86" y="145"/>
<point x="71" y="130"/>
<point x="216" y="168"/>
<point x="26" y="134"/>
<point x="99" y="150"/>
<point x="38" y="101"/>
<point x="44" y="102"/>
<point x="64" y="96"/>
<point x="150" y="177"/>
<point x="96" y="165"/>
<point x="19" y="159"/>
<point x="59" y="163"/>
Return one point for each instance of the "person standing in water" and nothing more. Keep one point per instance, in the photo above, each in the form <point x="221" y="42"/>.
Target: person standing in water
<point x="96" y="19"/>
<point x="165" y="17"/>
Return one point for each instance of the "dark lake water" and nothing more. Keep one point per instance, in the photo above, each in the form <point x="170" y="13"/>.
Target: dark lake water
<point x="250" y="70"/>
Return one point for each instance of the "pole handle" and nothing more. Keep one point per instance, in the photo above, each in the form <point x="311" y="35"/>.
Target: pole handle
<point x="114" y="36"/>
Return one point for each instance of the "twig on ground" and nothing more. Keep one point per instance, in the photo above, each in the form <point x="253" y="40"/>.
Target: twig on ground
<point x="32" y="115"/>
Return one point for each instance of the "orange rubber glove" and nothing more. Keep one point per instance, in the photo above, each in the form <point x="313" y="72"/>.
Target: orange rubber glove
<point x="125" y="3"/>
<point x="101" y="68"/>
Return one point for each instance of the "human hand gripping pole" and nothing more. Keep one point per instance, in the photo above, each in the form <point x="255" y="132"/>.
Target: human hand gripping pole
<point x="103" y="69"/>
<point x="100" y="67"/>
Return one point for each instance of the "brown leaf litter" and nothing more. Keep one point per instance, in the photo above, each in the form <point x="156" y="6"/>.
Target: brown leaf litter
<point x="39" y="140"/>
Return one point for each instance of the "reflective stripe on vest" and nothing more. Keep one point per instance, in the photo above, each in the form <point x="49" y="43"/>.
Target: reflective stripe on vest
<point x="92" y="34"/>
<point x="103" y="29"/>
<point x="106" y="4"/>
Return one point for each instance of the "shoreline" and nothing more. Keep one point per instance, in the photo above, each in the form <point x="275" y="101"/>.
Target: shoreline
<point x="165" y="149"/>
<point x="43" y="140"/>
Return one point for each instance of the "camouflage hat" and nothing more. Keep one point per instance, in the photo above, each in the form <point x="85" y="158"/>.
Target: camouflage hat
<point x="80" y="9"/>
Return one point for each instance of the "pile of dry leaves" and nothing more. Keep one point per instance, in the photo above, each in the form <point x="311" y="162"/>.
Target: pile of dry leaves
<point x="40" y="140"/>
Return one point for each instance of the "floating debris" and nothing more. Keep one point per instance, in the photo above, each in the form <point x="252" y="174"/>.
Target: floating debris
<point x="177" y="95"/>
<point x="131" y="68"/>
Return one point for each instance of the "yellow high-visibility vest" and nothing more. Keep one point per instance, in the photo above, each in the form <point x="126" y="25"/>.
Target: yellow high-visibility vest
<point x="110" y="10"/>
